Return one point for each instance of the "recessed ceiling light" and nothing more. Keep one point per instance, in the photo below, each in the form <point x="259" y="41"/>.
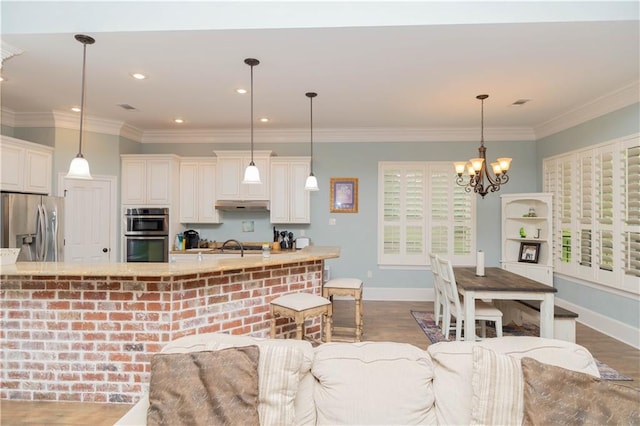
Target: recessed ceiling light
<point x="241" y="91"/>
<point x="138" y="76"/>
<point x="264" y="120"/>
<point x="75" y="109"/>
<point x="178" y="120"/>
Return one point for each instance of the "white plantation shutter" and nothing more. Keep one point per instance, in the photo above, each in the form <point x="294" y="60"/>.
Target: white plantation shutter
<point x="452" y="216"/>
<point x="422" y="209"/>
<point x="604" y="207"/>
<point x="630" y="159"/>
<point x="403" y="214"/>
<point x="597" y="212"/>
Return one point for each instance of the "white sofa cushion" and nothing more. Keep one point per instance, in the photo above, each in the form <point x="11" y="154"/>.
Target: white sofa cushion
<point x="453" y="368"/>
<point x="497" y="388"/>
<point x="373" y="383"/>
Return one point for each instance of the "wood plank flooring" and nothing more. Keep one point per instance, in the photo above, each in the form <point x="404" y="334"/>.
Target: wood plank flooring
<point x="383" y="321"/>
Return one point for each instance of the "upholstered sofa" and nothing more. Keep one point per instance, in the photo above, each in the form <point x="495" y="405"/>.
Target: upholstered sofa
<point x="451" y="383"/>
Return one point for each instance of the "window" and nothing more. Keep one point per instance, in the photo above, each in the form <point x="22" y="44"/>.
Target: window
<point x="596" y="212"/>
<point x="422" y="209"/>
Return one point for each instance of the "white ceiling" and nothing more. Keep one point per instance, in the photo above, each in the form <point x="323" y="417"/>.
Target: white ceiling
<point x="387" y="78"/>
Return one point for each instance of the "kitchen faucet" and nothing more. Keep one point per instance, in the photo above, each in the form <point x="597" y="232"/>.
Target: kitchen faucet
<point x="233" y="241"/>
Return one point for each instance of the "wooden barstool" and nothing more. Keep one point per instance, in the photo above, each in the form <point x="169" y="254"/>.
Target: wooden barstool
<point x="351" y="287"/>
<point x="301" y="306"/>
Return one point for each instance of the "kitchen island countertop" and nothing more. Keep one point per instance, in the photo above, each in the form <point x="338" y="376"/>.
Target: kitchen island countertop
<point x="309" y="253"/>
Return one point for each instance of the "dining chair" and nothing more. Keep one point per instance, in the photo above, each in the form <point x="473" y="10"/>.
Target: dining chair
<point x="483" y="312"/>
<point x="440" y="305"/>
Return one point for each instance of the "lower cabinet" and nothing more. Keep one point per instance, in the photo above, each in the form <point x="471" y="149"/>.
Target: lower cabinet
<point x="290" y="203"/>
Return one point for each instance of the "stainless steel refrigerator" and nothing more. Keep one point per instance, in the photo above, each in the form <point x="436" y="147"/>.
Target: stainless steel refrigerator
<point x="35" y="224"/>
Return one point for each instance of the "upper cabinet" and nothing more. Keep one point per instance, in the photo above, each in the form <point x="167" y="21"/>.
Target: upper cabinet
<point x="149" y="180"/>
<point x="198" y="190"/>
<point x="527" y="235"/>
<point x="230" y="173"/>
<point x="26" y="166"/>
<point x="289" y="200"/>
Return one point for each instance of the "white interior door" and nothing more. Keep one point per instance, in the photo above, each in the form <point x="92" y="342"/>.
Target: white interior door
<point x="90" y="219"/>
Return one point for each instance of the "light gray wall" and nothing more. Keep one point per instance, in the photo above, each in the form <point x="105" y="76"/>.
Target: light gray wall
<point x="356" y="234"/>
<point x="623" y="122"/>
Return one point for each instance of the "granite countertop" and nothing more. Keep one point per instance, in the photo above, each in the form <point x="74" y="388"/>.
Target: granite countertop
<point x="169" y="269"/>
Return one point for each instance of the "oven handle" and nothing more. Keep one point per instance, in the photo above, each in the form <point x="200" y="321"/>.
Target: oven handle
<point x="146" y="237"/>
<point x="137" y="216"/>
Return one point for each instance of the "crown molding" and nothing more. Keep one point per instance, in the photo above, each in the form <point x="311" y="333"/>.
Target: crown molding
<point x="7" y="51"/>
<point x="338" y="135"/>
<point x="91" y="124"/>
<point x="7" y="117"/>
<point x="613" y="101"/>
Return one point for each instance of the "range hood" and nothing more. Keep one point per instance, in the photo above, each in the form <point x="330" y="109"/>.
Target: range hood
<point x="242" y="205"/>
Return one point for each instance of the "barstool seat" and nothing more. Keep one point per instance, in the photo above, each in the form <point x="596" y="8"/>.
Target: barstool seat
<point x="301" y="306"/>
<point x="351" y="287"/>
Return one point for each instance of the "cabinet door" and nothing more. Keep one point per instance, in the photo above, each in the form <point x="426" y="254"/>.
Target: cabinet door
<point x="207" y="193"/>
<point x="158" y="182"/>
<point x="188" y="192"/>
<point x="299" y="206"/>
<point x="230" y="172"/>
<point x="538" y="273"/>
<point x="134" y="182"/>
<point x="279" y="210"/>
<point x="37" y="172"/>
<point x="12" y="173"/>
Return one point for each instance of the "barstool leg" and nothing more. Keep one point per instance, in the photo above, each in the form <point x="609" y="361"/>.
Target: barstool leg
<point x="328" y="323"/>
<point x="299" y="319"/>
<point x="273" y="325"/>
<point x="359" y="315"/>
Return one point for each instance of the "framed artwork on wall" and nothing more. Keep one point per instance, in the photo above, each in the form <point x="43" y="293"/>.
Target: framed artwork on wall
<point x="344" y="195"/>
<point x="529" y="252"/>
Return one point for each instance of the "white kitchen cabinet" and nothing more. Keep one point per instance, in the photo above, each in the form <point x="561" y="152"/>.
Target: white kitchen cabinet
<point x="26" y="166"/>
<point x="198" y="191"/>
<point x="290" y="203"/>
<point x="516" y="209"/>
<point x="230" y="173"/>
<point x="149" y="180"/>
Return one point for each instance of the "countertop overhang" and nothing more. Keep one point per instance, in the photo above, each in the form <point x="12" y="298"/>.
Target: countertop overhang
<point x="310" y="253"/>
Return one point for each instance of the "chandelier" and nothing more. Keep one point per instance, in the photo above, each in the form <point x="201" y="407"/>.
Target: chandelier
<point x="480" y="180"/>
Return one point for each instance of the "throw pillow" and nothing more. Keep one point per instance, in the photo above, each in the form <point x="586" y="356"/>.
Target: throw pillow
<point x="204" y="388"/>
<point x="497" y="388"/>
<point x="554" y="395"/>
<point x="279" y="378"/>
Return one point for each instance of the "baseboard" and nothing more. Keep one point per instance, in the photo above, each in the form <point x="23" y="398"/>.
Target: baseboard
<point x="611" y="327"/>
<point x="605" y="325"/>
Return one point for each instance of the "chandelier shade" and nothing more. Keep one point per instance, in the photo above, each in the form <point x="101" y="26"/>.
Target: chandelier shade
<point x="251" y="173"/>
<point x="480" y="180"/>
<point x="312" y="183"/>
<point x="79" y="167"/>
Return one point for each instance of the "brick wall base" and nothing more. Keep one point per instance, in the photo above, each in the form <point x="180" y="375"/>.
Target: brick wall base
<point x="88" y="338"/>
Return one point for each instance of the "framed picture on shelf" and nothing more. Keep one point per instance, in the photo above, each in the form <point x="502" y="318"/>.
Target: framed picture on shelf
<point x="529" y="252"/>
<point x="344" y="195"/>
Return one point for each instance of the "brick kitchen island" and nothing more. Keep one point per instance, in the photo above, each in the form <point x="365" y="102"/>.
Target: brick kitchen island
<point x="86" y="332"/>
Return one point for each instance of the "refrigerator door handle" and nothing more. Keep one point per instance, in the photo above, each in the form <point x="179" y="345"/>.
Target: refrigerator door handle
<point x="45" y="240"/>
<point x="54" y="236"/>
<point x="40" y="239"/>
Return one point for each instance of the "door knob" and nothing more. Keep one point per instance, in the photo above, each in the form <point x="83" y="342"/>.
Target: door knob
<point x="104" y="250"/>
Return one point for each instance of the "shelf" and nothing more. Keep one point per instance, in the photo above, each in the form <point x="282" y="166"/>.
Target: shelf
<point x="526" y="218"/>
<point x="528" y="240"/>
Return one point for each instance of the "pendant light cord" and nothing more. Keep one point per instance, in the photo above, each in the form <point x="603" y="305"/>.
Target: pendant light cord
<point x="84" y="66"/>
<point x="252" y="163"/>
<point x="311" y="131"/>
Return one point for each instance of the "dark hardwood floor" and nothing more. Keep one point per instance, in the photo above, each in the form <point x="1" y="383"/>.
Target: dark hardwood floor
<point x="383" y="321"/>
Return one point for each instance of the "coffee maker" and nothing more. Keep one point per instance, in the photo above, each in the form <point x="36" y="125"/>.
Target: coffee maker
<point x="192" y="239"/>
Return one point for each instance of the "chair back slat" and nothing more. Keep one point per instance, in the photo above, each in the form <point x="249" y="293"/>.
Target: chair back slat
<point x="450" y="288"/>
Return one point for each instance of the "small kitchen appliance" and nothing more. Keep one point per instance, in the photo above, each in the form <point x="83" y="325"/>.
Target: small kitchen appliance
<point x="192" y="239"/>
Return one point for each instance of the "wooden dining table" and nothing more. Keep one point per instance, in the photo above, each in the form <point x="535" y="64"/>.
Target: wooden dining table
<point x="498" y="283"/>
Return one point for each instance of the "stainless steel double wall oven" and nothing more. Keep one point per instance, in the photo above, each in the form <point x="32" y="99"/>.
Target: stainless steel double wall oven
<point x="146" y="234"/>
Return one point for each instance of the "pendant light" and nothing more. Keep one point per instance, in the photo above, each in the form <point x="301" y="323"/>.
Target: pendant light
<point x="251" y="173"/>
<point x="311" y="183"/>
<point x="79" y="167"/>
